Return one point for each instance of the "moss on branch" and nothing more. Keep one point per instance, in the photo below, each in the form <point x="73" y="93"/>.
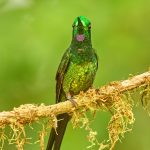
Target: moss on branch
<point x="115" y="98"/>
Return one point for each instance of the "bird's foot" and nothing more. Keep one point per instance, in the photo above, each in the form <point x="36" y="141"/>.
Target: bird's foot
<point x="70" y="98"/>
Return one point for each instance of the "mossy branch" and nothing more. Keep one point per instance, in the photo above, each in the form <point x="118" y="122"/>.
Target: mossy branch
<point x="110" y="97"/>
<point x="29" y="112"/>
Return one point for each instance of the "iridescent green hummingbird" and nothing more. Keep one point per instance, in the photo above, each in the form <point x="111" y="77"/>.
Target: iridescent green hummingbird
<point x="75" y="73"/>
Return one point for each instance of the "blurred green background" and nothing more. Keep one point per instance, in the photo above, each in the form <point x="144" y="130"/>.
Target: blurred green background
<point x="33" y="37"/>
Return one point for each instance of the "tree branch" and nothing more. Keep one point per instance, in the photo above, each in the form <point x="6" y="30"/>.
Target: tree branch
<point x="29" y="112"/>
<point x="102" y="98"/>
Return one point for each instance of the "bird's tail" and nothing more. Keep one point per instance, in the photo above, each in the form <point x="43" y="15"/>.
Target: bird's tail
<point x="56" y="137"/>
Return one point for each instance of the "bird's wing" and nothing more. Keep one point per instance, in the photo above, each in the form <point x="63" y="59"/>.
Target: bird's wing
<point x="60" y="73"/>
<point x="97" y="59"/>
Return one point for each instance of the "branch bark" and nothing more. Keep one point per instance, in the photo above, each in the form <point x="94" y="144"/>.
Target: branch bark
<point x="29" y="112"/>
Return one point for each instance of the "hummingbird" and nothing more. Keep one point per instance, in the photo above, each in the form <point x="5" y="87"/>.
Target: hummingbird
<point x="76" y="72"/>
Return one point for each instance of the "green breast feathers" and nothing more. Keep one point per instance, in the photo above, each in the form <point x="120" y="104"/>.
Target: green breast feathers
<point x="80" y="76"/>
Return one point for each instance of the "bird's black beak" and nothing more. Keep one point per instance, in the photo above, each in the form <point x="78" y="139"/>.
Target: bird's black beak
<point x="79" y="22"/>
<point x="80" y="26"/>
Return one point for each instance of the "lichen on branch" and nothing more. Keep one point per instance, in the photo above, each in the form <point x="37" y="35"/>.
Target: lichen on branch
<point x="114" y="97"/>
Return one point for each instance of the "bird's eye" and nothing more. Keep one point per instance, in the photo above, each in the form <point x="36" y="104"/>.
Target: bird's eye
<point x="89" y="27"/>
<point x="73" y="25"/>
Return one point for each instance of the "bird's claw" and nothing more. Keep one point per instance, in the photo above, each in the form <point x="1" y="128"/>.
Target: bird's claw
<point x="69" y="97"/>
<point x="74" y="103"/>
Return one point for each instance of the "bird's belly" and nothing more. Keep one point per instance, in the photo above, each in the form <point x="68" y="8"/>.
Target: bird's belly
<point x="81" y="83"/>
<point x="79" y="77"/>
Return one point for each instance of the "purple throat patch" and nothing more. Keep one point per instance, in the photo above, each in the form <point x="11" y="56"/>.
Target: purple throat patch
<point x="80" y="37"/>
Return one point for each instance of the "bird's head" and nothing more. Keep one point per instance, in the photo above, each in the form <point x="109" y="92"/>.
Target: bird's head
<point x="81" y="29"/>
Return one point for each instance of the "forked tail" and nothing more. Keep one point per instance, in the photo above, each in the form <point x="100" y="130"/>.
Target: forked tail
<point x="56" y="137"/>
